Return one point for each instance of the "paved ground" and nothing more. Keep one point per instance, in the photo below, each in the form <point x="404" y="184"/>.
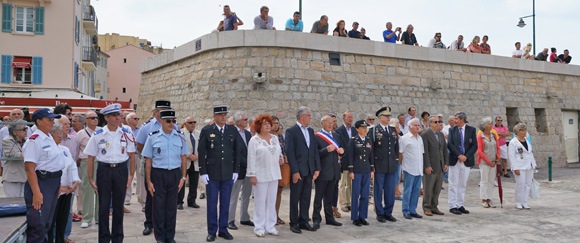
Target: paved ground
<point x="554" y="217"/>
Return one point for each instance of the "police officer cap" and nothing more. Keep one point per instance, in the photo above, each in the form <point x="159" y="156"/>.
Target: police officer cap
<point x="42" y="113"/>
<point x="360" y="123"/>
<point x="385" y="111"/>
<point x="220" y="109"/>
<point x="112" y="109"/>
<point x="165" y="114"/>
<point x="163" y="104"/>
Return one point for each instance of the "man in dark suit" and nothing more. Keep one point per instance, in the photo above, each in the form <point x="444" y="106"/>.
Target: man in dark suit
<point x="462" y="145"/>
<point x="435" y="161"/>
<point x="219" y="164"/>
<point x="329" y="149"/>
<point x="386" y="156"/>
<point x="346" y="132"/>
<point x="243" y="182"/>
<point x="304" y="161"/>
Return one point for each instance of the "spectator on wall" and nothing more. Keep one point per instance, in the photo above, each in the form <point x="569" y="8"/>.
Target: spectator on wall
<point x="408" y="38"/>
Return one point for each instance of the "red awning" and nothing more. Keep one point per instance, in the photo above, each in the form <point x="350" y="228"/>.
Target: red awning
<point x="21" y="62"/>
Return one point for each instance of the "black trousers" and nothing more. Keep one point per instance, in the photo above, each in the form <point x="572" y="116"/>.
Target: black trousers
<point x="112" y="186"/>
<point x="324" y="190"/>
<point x="193" y="183"/>
<point x="38" y="221"/>
<point x="60" y="219"/>
<point x="148" y="208"/>
<point x="166" y="183"/>
<point x="300" y="194"/>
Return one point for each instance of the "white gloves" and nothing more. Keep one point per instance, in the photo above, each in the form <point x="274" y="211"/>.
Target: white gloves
<point x="235" y="177"/>
<point x="205" y="179"/>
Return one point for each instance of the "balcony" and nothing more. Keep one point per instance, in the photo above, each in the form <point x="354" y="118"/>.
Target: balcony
<point x="89" y="58"/>
<point x="90" y="21"/>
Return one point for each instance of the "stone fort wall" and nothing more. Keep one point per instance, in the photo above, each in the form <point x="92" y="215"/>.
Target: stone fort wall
<point x="275" y="72"/>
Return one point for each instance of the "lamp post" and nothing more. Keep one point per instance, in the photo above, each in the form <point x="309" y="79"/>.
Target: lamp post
<point x="521" y="24"/>
<point x="300" y="8"/>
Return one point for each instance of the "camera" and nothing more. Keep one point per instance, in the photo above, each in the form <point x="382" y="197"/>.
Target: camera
<point x="398" y="28"/>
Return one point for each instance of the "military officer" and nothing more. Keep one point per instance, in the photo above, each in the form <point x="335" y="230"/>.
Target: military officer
<point x="43" y="162"/>
<point x="112" y="147"/>
<point x="385" y="153"/>
<point x="361" y="170"/>
<point x="165" y="170"/>
<point x="147" y="128"/>
<point x="219" y="162"/>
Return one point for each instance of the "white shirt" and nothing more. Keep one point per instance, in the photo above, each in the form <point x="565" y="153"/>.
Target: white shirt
<point x="412" y="149"/>
<point x="263" y="159"/>
<point x="41" y="149"/>
<point x="70" y="173"/>
<point x="404" y="130"/>
<point x="445" y="130"/>
<point x="518" y="52"/>
<point x="456" y="46"/>
<point x="305" y="132"/>
<point x="348" y="131"/>
<point x="111" y="146"/>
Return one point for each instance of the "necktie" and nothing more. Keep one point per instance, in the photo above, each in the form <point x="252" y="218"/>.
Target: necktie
<point x="221" y="130"/>
<point x="461" y="136"/>
<point x="436" y="136"/>
<point x="243" y="134"/>
<point x="192" y="138"/>
<point x="306" y="136"/>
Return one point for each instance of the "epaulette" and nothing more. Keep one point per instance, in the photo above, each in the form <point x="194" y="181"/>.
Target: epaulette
<point x="178" y="131"/>
<point x="146" y="122"/>
<point x="98" y="131"/>
<point x="124" y="129"/>
<point x="353" y="137"/>
<point x="34" y="136"/>
<point x="153" y="132"/>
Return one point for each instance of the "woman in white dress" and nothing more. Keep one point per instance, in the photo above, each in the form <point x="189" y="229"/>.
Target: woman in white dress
<point x="264" y="160"/>
<point x="522" y="164"/>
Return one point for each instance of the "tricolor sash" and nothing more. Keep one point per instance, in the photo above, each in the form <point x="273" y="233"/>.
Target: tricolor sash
<point x="328" y="139"/>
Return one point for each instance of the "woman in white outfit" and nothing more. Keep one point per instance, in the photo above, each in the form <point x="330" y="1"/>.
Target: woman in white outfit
<point x="522" y="164"/>
<point x="264" y="160"/>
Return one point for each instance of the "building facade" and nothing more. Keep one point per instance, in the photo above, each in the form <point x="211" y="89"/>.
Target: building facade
<point x="111" y="41"/>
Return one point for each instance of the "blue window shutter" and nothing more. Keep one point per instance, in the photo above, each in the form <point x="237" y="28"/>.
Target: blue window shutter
<point x="77" y="29"/>
<point x="6" y="17"/>
<point x="6" y="69"/>
<point x="36" y="70"/>
<point x="76" y="78"/>
<point x="39" y="20"/>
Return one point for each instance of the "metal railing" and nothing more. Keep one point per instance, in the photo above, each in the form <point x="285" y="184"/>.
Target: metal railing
<point x="89" y="55"/>
<point x="90" y="15"/>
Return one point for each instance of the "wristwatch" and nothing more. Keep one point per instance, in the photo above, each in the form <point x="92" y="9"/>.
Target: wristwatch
<point x="184" y="178"/>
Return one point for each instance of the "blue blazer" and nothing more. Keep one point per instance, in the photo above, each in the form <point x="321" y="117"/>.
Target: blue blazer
<point x="301" y="158"/>
<point x="469" y="145"/>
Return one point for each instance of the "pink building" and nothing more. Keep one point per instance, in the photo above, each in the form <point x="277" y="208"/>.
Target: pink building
<point x="124" y="74"/>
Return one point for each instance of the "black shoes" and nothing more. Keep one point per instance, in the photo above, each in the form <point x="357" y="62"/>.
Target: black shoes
<point x="407" y="216"/>
<point x="333" y="222"/>
<point x="247" y="223"/>
<point x="147" y="231"/>
<point x="506" y="175"/>
<point x="390" y="218"/>
<point x="363" y="221"/>
<point x="194" y="205"/>
<point x="226" y="236"/>
<point x="463" y="210"/>
<point x="170" y="241"/>
<point x="357" y="223"/>
<point x="232" y="225"/>
<point x="415" y="215"/>
<point x="455" y="211"/>
<point x="306" y="226"/>
<point x="202" y="196"/>
<point x="296" y="229"/>
<point x="316" y="225"/>
<point x="210" y="237"/>
<point x="180" y="206"/>
<point x="381" y="218"/>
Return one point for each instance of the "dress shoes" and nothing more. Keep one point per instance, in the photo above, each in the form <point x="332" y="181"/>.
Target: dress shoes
<point x="147" y="231"/>
<point x="193" y="205"/>
<point x="333" y="222"/>
<point x="247" y="223"/>
<point x="296" y="229"/>
<point x="170" y="241"/>
<point x="306" y="226"/>
<point x="407" y="216"/>
<point x="335" y="212"/>
<point x="160" y="241"/>
<point x="202" y="196"/>
<point x="226" y="236"/>
<point x="357" y="223"/>
<point x="438" y="212"/>
<point x="316" y="225"/>
<point x="416" y="215"/>
<point x="428" y="213"/>
<point x="232" y="225"/>
<point x="390" y="218"/>
<point x="455" y="211"/>
<point x="180" y="206"/>
<point x="463" y="210"/>
<point x="381" y="219"/>
<point x="363" y="222"/>
<point x="210" y="238"/>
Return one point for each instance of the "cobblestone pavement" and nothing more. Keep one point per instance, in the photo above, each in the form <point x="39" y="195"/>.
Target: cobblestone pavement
<point x="553" y="218"/>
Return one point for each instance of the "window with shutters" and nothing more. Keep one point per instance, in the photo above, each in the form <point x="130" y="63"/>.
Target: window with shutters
<point x="24" y="20"/>
<point x="22" y="70"/>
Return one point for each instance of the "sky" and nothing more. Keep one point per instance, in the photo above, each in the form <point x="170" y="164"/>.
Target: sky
<point x="171" y="23"/>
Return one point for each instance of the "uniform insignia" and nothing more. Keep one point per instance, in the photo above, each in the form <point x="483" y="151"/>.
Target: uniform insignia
<point x="102" y="141"/>
<point x="64" y="153"/>
<point x="104" y="151"/>
<point x="34" y="136"/>
<point x="158" y="150"/>
<point x="153" y="132"/>
<point x="124" y="129"/>
<point x="107" y="144"/>
<point x="47" y="146"/>
<point x="98" y="131"/>
<point x="212" y="135"/>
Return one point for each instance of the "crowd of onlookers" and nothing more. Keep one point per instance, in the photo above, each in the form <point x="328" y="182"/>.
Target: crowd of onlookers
<point x="477" y="45"/>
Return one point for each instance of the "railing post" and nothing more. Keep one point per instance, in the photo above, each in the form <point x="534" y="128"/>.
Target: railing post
<point x="550" y="168"/>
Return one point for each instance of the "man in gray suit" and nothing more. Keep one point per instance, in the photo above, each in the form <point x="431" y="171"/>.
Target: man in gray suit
<point x="435" y="161"/>
<point x="191" y="137"/>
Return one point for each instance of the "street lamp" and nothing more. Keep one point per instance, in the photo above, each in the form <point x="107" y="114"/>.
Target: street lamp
<point x="300" y="8"/>
<point x="521" y="23"/>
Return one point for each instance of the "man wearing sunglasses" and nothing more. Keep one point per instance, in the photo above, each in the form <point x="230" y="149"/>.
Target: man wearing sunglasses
<point x="146" y="129"/>
<point x="435" y="163"/>
<point x="165" y="171"/>
<point x="90" y="203"/>
<point x="191" y="136"/>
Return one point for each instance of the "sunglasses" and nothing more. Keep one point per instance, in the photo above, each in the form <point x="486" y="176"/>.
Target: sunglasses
<point x="170" y="120"/>
<point x="93" y="117"/>
<point x="24" y="129"/>
<point x="193" y="122"/>
<point x="371" y="119"/>
<point x="136" y="118"/>
<point x="499" y="120"/>
<point x="438" y="36"/>
<point x="438" y="122"/>
<point x="68" y="114"/>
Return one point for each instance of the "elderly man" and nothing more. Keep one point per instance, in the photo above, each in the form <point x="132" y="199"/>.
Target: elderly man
<point x="15" y="114"/>
<point x="77" y="124"/>
<point x="294" y="23"/>
<point x="354" y="33"/>
<point x="243" y="182"/>
<point x="403" y="129"/>
<point x="408" y="37"/>
<point x="462" y="147"/>
<point x="329" y="150"/>
<point x="346" y="132"/>
<point x="435" y="161"/>
<point x="370" y="121"/>
<point x="411" y="157"/>
<point x="72" y="143"/>
<point x="389" y="35"/>
<point x="264" y="21"/>
<point x="304" y="160"/>
<point x="90" y="202"/>
<point x="14" y="176"/>
<point x="140" y="191"/>
<point x="412" y="111"/>
<point x="320" y="26"/>
<point x="458" y="45"/>
<point x="192" y="138"/>
<point x="542" y="56"/>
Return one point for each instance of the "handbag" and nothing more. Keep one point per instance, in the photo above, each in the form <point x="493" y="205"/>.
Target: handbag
<point x="535" y="189"/>
<point x="285" y="172"/>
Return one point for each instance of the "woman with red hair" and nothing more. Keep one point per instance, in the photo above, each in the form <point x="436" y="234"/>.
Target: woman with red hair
<point x="264" y="160"/>
<point x="340" y="29"/>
